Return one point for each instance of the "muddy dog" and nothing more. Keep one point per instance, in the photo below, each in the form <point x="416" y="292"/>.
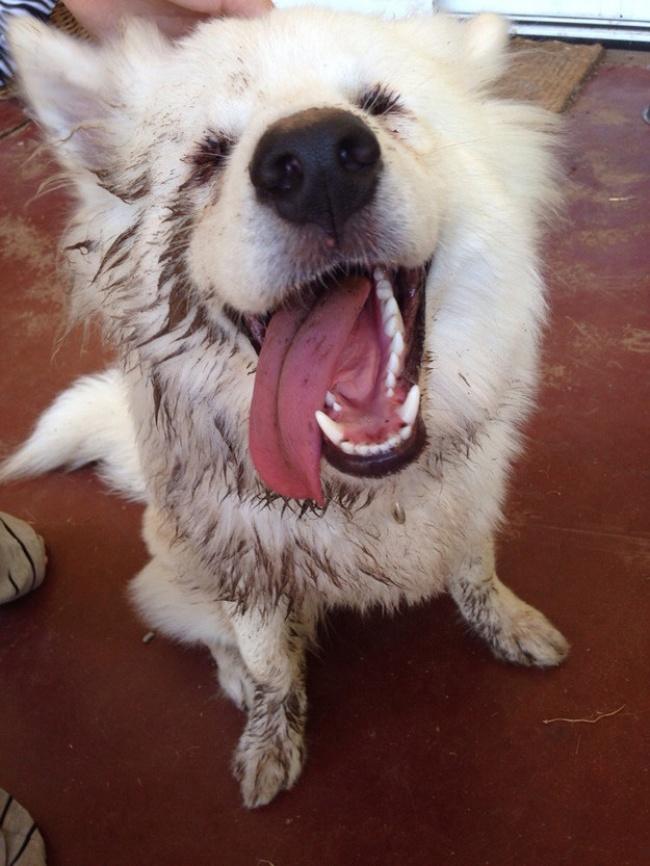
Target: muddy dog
<point x="314" y="238"/>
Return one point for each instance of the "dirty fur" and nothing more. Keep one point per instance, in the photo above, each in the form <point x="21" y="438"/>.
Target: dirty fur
<point x="168" y="245"/>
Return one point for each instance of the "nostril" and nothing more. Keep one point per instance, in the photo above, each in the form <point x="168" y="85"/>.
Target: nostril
<point x="280" y="174"/>
<point x="357" y="152"/>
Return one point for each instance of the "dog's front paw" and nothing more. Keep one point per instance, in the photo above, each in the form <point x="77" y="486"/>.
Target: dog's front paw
<point x="524" y="636"/>
<point x="265" y="766"/>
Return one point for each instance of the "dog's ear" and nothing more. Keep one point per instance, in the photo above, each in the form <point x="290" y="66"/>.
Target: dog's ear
<point x="84" y="96"/>
<point x="486" y="40"/>
<point x="476" y="49"/>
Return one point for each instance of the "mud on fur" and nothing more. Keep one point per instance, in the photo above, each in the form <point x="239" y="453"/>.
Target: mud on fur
<point x="306" y="176"/>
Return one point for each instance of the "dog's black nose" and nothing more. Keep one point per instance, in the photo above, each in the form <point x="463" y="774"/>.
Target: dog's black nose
<point x="317" y="166"/>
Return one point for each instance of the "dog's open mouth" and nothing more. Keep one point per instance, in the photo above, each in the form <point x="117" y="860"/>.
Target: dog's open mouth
<point x="337" y="377"/>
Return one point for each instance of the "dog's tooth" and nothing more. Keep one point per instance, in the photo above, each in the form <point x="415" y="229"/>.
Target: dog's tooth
<point x="330" y="401"/>
<point x="383" y="288"/>
<point x="394" y="364"/>
<point x="391" y="327"/>
<point x="363" y="449"/>
<point x="390" y="392"/>
<point x="382" y="284"/>
<point x="330" y="428"/>
<point x="409" y="409"/>
<point x="379" y="274"/>
<point x="390" y="381"/>
<point x="390" y="309"/>
<point x="405" y="433"/>
<point x="397" y="343"/>
<point x="347" y="447"/>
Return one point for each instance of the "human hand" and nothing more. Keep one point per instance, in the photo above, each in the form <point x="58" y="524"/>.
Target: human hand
<point x="174" y="17"/>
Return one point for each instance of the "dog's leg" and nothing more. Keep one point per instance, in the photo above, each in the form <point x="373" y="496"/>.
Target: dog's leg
<point x="514" y="630"/>
<point x="192" y="618"/>
<point x="234" y="679"/>
<point x="271" y="750"/>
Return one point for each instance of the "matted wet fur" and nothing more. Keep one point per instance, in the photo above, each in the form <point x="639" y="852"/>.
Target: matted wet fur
<point x="171" y="247"/>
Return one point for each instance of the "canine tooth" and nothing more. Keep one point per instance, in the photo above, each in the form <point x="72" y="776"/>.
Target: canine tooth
<point x="330" y="428"/>
<point x="409" y="409"/>
<point x="390" y="392"/>
<point x="394" y="364"/>
<point x="390" y="381"/>
<point x="405" y="433"/>
<point x="397" y="343"/>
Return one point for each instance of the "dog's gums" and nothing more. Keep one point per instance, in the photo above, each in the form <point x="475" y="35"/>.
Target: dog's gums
<point x="341" y="373"/>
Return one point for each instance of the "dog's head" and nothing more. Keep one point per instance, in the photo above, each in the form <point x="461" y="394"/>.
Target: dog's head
<point x="307" y="173"/>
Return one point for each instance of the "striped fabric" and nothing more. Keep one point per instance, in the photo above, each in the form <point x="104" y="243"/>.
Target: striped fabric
<point x="22" y="560"/>
<point x="39" y="8"/>
<point x="21" y="843"/>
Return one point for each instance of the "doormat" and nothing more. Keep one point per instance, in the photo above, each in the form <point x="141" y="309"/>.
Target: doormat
<point x="548" y="73"/>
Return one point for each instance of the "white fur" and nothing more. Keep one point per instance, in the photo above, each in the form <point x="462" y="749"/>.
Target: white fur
<point x="89" y="422"/>
<point x="466" y="178"/>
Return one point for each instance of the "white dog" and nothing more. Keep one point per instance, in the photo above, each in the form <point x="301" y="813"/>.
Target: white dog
<point x="314" y="238"/>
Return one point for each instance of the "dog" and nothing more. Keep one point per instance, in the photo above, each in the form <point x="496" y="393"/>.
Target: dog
<point x="314" y="238"/>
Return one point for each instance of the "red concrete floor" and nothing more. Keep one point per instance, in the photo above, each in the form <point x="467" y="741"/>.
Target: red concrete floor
<point x="423" y="748"/>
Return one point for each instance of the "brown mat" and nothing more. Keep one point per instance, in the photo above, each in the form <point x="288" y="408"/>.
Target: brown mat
<point x="548" y="73"/>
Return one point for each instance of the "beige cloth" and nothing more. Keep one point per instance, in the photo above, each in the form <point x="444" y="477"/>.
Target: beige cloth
<point x="22" y="559"/>
<point x="21" y="843"/>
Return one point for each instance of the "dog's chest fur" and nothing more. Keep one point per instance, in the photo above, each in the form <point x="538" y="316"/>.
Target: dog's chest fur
<point x="382" y="542"/>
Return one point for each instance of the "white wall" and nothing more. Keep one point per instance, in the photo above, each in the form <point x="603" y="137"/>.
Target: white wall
<point x="390" y="8"/>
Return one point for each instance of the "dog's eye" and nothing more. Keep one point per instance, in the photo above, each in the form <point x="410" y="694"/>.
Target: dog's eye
<point x="210" y="155"/>
<point x="379" y="100"/>
<point x="213" y="150"/>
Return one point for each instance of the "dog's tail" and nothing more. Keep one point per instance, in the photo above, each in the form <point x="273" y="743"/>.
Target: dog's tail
<point x="89" y="422"/>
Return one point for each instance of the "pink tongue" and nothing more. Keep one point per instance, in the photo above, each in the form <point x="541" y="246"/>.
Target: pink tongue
<point x="296" y="367"/>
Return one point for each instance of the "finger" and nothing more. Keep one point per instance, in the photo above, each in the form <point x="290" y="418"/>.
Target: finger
<point x="241" y="8"/>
